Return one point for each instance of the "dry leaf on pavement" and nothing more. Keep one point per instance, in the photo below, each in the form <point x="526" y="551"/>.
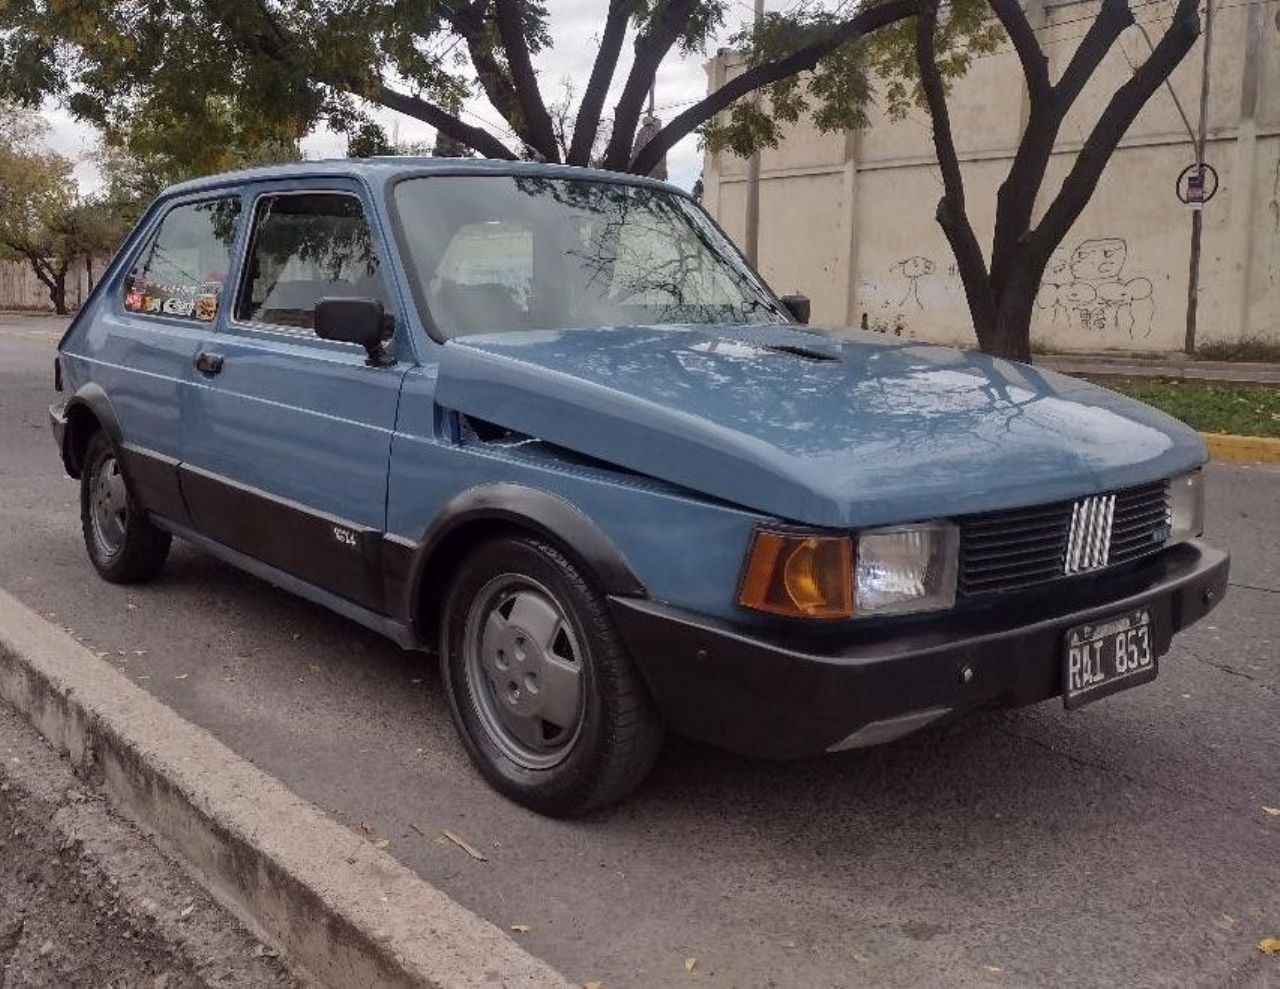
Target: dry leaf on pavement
<point x="690" y="964"/>
<point x="382" y="843"/>
<point x="593" y="985"/>
<point x="1271" y="811"/>
<point x="521" y="928"/>
<point x="465" y="846"/>
<point x="1269" y="945"/>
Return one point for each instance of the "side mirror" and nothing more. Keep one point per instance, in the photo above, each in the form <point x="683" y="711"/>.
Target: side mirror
<point x="798" y="306"/>
<point x="360" y="321"/>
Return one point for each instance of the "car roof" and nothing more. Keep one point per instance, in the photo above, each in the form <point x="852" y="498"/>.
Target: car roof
<point x="381" y="170"/>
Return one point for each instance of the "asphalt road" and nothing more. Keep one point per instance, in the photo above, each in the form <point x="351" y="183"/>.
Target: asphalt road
<point x="1124" y="844"/>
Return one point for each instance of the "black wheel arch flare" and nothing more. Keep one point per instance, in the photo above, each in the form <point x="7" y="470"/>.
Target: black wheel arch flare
<point x="417" y="573"/>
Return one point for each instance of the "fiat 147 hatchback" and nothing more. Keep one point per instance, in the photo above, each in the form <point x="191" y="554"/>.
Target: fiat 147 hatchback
<point x="547" y="423"/>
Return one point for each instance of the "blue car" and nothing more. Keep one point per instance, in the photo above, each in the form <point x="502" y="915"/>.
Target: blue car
<point x="547" y="422"/>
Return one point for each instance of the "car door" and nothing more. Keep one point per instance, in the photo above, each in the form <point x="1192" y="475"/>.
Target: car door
<point x="141" y="345"/>
<point x="287" y="436"/>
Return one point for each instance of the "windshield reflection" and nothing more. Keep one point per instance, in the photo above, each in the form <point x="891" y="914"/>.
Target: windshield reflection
<point x="493" y="253"/>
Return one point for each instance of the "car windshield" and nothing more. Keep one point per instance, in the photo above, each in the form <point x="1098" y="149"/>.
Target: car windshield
<point x="494" y="253"/>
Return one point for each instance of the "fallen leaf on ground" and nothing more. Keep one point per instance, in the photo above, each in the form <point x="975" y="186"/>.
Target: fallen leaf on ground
<point x="521" y="928"/>
<point x="466" y="847"/>
<point x="418" y="829"/>
<point x="182" y="676"/>
<point x="382" y="843"/>
<point x="690" y="964"/>
<point x="1271" y="811"/>
<point x="593" y="985"/>
<point x="993" y="969"/>
<point x="367" y="828"/>
<point x="1269" y="945"/>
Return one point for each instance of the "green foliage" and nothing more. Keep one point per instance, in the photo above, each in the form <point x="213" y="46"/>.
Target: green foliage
<point x="43" y="222"/>
<point x="847" y="79"/>
<point x="37" y="190"/>
<point x="202" y="86"/>
<point x="1245" y="410"/>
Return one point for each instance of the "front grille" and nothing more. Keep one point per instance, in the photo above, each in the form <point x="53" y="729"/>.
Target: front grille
<point x="1021" y="547"/>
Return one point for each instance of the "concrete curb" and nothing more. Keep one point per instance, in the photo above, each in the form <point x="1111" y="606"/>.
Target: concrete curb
<point x="1243" y="449"/>
<point x="344" y="911"/>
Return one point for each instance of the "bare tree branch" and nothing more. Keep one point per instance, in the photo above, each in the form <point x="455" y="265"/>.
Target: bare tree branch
<point x="587" y="124"/>
<point x="1121" y="111"/>
<point x="1035" y="66"/>
<point x="511" y="29"/>
<point x="651" y="48"/>
<point x="951" y="207"/>
<point x="442" y="120"/>
<point x="1113" y="17"/>
<point x="802" y="60"/>
<point x="1016" y="200"/>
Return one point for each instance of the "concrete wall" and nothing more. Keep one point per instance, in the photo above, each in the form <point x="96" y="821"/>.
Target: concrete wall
<point x="849" y="218"/>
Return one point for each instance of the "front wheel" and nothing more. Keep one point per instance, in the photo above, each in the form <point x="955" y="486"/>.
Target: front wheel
<point x="123" y="545"/>
<point x="548" y="703"/>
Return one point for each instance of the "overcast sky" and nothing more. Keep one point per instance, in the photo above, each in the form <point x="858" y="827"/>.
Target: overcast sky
<point x="575" y="27"/>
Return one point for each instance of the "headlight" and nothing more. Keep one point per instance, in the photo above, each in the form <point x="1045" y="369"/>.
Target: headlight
<point x="894" y="570"/>
<point x="906" y="568"/>
<point x="1186" y="507"/>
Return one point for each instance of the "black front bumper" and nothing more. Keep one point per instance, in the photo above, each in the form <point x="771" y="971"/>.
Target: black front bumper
<point x="783" y="695"/>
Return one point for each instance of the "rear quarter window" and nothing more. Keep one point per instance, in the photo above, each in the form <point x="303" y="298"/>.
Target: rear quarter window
<point x="183" y="269"/>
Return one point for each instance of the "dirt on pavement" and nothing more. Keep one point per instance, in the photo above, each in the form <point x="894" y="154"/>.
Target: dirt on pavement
<point x="87" y="900"/>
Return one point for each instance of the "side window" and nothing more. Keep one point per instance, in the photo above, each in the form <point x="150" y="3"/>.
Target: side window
<point x="306" y="247"/>
<point x="182" y="271"/>
<point x="484" y="278"/>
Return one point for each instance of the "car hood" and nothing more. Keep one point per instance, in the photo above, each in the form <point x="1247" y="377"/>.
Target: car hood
<point x="831" y="431"/>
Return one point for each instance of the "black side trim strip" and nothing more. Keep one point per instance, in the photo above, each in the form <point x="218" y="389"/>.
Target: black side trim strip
<point x="330" y="552"/>
<point x="153" y="481"/>
<point x="392" y="629"/>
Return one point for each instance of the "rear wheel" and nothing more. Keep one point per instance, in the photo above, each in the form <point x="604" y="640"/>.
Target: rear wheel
<point x="548" y="703"/>
<point x="123" y="545"/>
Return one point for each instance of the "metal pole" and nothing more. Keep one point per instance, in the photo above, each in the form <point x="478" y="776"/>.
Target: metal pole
<point x="752" y="245"/>
<point x="1197" y="216"/>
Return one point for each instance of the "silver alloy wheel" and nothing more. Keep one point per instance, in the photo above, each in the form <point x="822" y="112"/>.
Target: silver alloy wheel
<point x="109" y="506"/>
<point x="524" y="671"/>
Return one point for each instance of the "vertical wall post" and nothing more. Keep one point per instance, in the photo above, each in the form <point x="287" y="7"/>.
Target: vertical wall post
<point x="1197" y="216"/>
<point x="752" y="245"/>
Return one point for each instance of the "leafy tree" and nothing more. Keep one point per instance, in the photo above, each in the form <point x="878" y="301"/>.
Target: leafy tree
<point x="217" y="73"/>
<point x="43" y="220"/>
<point x="37" y="193"/>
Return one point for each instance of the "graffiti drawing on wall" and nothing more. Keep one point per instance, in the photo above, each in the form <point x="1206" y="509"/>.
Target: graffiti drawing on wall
<point x="1088" y="290"/>
<point x="913" y="269"/>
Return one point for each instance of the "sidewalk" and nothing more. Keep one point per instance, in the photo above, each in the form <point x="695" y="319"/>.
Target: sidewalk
<point x="1170" y="366"/>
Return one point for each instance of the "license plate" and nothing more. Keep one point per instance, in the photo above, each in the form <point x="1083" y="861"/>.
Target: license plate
<point x="1106" y="656"/>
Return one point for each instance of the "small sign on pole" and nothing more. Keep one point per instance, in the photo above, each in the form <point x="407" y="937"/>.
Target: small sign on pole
<point x="1197" y="184"/>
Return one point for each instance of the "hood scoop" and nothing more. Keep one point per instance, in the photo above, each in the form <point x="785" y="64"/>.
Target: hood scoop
<point x="805" y="353"/>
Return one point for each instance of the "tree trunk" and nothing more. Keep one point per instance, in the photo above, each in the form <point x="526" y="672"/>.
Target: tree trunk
<point x="58" y="292"/>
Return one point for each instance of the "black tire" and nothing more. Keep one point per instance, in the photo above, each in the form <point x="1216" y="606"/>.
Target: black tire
<point x="126" y="549"/>
<point x="617" y="735"/>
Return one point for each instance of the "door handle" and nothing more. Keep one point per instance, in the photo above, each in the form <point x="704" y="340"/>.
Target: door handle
<point x="207" y="363"/>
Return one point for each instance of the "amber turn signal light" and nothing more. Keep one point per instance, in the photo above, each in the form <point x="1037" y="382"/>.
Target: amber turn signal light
<point x="804" y="576"/>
